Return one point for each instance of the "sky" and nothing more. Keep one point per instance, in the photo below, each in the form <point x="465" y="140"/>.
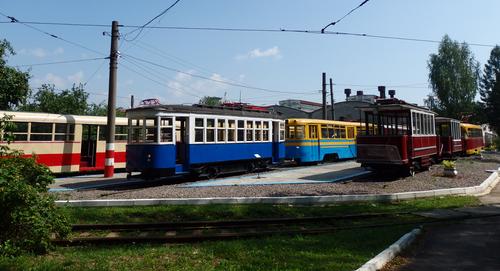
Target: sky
<point x="181" y="66"/>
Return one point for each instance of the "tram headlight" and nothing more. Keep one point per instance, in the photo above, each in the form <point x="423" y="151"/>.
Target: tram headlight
<point x="148" y="157"/>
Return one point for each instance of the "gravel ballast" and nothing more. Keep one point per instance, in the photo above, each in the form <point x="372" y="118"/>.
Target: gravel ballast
<point x="471" y="172"/>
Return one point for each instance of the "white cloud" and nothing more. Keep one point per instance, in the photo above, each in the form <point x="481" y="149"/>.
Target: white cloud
<point x="50" y="78"/>
<point x="273" y="52"/>
<point x="186" y="87"/>
<point x="58" y="51"/>
<point x="41" y="52"/>
<point x="76" y="78"/>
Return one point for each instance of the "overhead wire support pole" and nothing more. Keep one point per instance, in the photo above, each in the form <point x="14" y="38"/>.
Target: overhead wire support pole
<point x="109" y="164"/>
<point x="331" y="98"/>
<point x="324" y="95"/>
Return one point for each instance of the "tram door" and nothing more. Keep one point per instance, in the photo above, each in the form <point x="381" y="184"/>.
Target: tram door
<point x="181" y="137"/>
<point x="89" y="146"/>
<point x="276" y="139"/>
<point x="313" y="135"/>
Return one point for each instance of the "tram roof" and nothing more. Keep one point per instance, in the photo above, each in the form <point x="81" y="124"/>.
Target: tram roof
<point x="384" y="105"/>
<point x="445" y="119"/>
<point x="321" y="121"/>
<point x="199" y="109"/>
<point x="469" y="125"/>
<point x="59" y="118"/>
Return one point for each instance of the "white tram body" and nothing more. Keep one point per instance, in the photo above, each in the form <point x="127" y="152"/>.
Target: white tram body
<point x="66" y="143"/>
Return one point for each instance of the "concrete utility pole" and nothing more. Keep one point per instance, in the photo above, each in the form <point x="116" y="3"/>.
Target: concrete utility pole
<point x="331" y="98"/>
<point x="109" y="164"/>
<point x="324" y="96"/>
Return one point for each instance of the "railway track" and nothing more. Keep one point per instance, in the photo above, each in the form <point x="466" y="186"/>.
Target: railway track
<point x="198" y="231"/>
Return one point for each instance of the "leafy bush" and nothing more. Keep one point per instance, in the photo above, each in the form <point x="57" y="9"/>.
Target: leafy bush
<point x="28" y="213"/>
<point x="448" y="164"/>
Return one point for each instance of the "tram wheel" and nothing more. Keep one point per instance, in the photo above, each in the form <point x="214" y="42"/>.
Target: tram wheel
<point x="212" y="172"/>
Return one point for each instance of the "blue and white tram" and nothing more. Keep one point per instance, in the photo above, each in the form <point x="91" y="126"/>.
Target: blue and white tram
<point x="167" y="140"/>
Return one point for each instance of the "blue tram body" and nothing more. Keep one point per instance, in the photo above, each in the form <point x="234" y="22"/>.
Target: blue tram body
<point x="312" y="140"/>
<point x="176" y="139"/>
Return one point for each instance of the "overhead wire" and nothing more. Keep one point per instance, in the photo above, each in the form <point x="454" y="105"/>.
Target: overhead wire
<point x="14" y="20"/>
<point x="140" y="29"/>
<point x="281" y="30"/>
<point x="61" y="62"/>
<point x="347" y="14"/>
<point x="160" y="76"/>
<point x="211" y="79"/>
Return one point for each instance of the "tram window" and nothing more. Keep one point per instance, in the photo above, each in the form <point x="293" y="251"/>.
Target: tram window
<point x="210" y="123"/>
<point x="231" y="131"/>
<point x="339" y="132"/>
<point x="299" y="132"/>
<point x="41" y="127"/>
<point x="265" y="131"/>
<point x="265" y="135"/>
<point x="221" y="135"/>
<point x="20" y="131"/>
<point x="221" y="123"/>
<point x="230" y="135"/>
<point x="282" y="131"/>
<point x="444" y="129"/>
<point x="120" y="132"/>
<point x="249" y="134"/>
<point x="350" y="132"/>
<point x="198" y="122"/>
<point x="241" y="135"/>
<point x="241" y="124"/>
<point x="324" y="131"/>
<point x="313" y="131"/>
<point x="151" y="131"/>
<point x="198" y="135"/>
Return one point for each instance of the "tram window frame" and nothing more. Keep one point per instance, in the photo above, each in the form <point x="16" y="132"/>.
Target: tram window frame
<point x="351" y="133"/>
<point x="249" y="133"/>
<point x="258" y="131"/>
<point x="281" y="128"/>
<point x="210" y="130"/>
<point x="199" y="134"/>
<point x="312" y="131"/>
<point x="231" y="130"/>
<point x="240" y="132"/>
<point x="64" y="132"/>
<point x="265" y="131"/>
<point x="20" y="131"/>
<point x="221" y="130"/>
<point x="43" y="134"/>
<point x="136" y="130"/>
<point x="166" y="130"/>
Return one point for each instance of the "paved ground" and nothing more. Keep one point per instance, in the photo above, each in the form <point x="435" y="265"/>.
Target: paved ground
<point x="331" y="172"/>
<point x="465" y="245"/>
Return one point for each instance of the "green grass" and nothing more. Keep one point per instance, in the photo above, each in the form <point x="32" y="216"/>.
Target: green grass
<point x="339" y="250"/>
<point x="342" y="250"/>
<point x="219" y="211"/>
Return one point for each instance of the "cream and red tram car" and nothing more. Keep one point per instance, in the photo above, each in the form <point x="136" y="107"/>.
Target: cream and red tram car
<point x="449" y="137"/>
<point x="66" y="143"/>
<point x="398" y="135"/>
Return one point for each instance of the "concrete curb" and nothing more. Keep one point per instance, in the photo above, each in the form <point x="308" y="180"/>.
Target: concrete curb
<point x="389" y="253"/>
<point x="479" y="190"/>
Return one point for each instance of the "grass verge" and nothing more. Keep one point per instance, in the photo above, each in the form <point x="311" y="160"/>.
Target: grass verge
<point x="340" y="250"/>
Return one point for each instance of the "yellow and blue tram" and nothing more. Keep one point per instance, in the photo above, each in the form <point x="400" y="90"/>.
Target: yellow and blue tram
<point x="315" y="140"/>
<point x="167" y="140"/>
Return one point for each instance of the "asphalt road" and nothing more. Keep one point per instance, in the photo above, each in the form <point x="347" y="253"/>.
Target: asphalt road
<point x="465" y="245"/>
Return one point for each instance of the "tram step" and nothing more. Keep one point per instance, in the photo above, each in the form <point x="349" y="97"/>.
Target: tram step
<point x="179" y="169"/>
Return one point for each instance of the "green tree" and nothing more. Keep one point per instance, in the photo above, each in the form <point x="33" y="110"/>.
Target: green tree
<point x="101" y="109"/>
<point x="211" y="101"/>
<point x="493" y="105"/>
<point x="14" y="87"/>
<point x="68" y="101"/>
<point x="488" y="78"/>
<point x="453" y="76"/>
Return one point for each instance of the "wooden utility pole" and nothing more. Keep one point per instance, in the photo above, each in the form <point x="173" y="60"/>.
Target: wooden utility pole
<point x="331" y="98"/>
<point x="324" y="96"/>
<point x="109" y="164"/>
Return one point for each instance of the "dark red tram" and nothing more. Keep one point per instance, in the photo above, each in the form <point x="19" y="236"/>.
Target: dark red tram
<point x="449" y="137"/>
<point x="397" y="135"/>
